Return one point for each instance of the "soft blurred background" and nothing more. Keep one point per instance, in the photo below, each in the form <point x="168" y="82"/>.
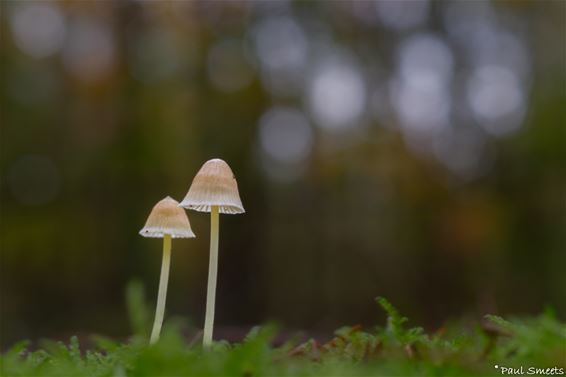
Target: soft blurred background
<point x="410" y="149"/>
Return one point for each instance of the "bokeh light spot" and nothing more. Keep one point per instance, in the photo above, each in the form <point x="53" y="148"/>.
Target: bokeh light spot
<point x="402" y="15"/>
<point x="496" y="98"/>
<point x="285" y="135"/>
<point x="281" y="48"/>
<point x="38" y="28"/>
<point x="337" y="95"/>
<point x="420" y="94"/>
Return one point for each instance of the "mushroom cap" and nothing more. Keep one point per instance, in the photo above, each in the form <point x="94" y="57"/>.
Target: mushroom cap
<point x="214" y="185"/>
<point x="167" y="218"/>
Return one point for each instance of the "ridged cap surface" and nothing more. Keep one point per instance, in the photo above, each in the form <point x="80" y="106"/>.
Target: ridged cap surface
<point x="167" y="218"/>
<point x="214" y="185"/>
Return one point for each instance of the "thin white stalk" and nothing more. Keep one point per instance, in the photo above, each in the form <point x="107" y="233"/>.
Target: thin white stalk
<point x="160" y="309"/>
<point x="212" y="277"/>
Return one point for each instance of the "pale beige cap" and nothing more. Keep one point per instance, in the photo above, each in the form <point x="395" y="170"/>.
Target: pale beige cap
<point x="214" y="185"/>
<point x="167" y="218"/>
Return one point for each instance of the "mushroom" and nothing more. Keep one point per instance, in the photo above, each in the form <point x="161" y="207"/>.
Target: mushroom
<point x="215" y="190"/>
<point x="166" y="221"/>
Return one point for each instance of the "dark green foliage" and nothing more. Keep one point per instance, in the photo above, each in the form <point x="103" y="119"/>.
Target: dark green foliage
<point x="396" y="350"/>
<point x="137" y="308"/>
<point x="535" y="340"/>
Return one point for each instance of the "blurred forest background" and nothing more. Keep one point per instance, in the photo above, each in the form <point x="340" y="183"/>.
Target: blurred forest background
<point x="410" y="149"/>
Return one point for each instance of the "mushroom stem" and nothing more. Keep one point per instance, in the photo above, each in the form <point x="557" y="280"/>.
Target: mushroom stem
<point x="160" y="310"/>
<point x="212" y="277"/>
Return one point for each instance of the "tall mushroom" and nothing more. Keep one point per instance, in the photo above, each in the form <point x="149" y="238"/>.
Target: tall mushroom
<point x="215" y="190"/>
<point x="166" y="221"/>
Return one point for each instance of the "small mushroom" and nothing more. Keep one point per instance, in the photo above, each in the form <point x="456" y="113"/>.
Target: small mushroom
<point x="166" y="221"/>
<point x="215" y="190"/>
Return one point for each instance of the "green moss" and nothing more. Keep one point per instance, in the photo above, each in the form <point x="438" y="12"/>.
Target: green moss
<point x="395" y="350"/>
